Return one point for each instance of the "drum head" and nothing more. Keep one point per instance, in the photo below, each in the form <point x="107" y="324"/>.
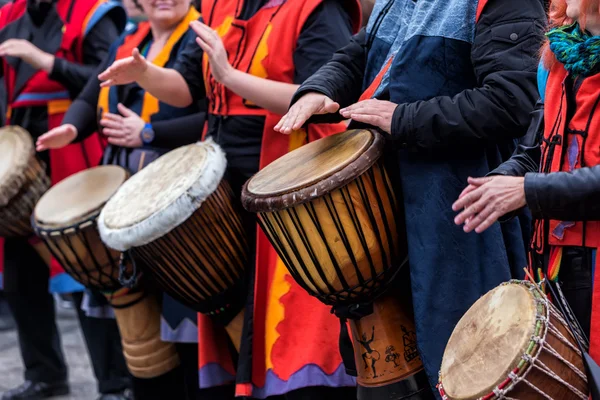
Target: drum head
<point x="488" y="342"/>
<point x="17" y="150"/>
<point x="312" y="170"/>
<point x="162" y="195"/>
<point x="79" y="196"/>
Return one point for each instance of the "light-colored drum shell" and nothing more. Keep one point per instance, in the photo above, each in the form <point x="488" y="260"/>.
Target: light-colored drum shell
<point x="79" y="196"/>
<point x="512" y="342"/>
<point x="488" y="342"/>
<point x="17" y="152"/>
<point x="162" y="196"/>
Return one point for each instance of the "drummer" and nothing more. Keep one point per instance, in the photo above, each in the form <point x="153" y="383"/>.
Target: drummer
<point x="563" y="192"/>
<point x="451" y="90"/>
<point x="49" y="49"/>
<point x="139" y="129"/>
<point x="249" y="74"/>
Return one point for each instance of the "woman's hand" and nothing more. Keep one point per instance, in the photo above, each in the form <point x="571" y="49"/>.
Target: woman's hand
<point x="56" y="138"/>
<point x="308" y="105"/>
<point x="212" y="45"/>
<point x="487" y="199"/>
<point x="125" y="71"/>
<point x="123" y="130"/>
<point x="374" y="112"/>
<point x="27" y="52"/>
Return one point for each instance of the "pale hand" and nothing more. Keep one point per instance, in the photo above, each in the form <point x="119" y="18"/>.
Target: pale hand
<point x="308" y="105"/>
<point x="56" y="138"/>
<point x="27" y="52"/>
<point x="373" y="112"/>
<point x="123" y="130"/>
<point x="212" y="45"/>
<point x="125" y="71"/>
<point x="487" y="199"/>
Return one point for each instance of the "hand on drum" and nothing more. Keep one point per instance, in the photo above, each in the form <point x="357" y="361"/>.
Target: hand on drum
<point x="56" y="138"/>
<point x="487" y="199"/>
<point x="27" y="52"/>
<point x="123" y="130"/>
<point x="308" y="105"/>
<point x="212" y="45"/>
<point x="374" y="112"/>
<point x="125" y="71"/>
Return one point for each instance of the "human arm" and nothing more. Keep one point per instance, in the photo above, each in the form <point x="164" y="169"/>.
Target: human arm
<point x="328" y="28"/>
<point x="504" y="56"/>
<point x="178" y="132"/>
<point x="337" y="84"/>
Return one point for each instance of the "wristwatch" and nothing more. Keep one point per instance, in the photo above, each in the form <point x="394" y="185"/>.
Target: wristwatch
<point x="147" y="134"/>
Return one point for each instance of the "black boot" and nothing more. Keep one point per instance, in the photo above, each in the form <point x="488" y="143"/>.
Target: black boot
<point x="37" y="390"/>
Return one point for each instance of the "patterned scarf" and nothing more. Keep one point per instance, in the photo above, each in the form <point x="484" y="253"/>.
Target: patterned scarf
<point x="575" y="49"/>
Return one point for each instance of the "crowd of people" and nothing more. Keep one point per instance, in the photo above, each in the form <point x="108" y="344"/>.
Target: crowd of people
<point x="487" y="106"/>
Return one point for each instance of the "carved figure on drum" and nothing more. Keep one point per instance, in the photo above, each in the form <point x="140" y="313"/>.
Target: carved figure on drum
<point x="556" y="175"/>
<point x="370" y="355"/>
<point x="392" y="356"/>
<point x="446" y="110"/>
<point x="49" y="49"/>
<point x="139" y="128"/>
<point x="250" y="57"/>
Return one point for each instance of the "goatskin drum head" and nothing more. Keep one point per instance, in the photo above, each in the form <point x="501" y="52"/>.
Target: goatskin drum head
<point x="488" y="342"/>
<point x="79" y="196"/>
<point x="162" y="195"/>
<point x="16" y="150"/>
<point x="310" y="163"/>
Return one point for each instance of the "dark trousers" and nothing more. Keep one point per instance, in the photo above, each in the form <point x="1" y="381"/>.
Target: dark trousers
<point x="182" y="382"/>
<point x="576" y="279"/>
<point x="103" y="342"/>
<point x="319" y="393"/>
<point x="26" y="290"/>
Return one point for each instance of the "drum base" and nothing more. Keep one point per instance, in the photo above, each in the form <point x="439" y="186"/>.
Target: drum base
<point x="385" y="344"/>
<point x="415" y="387"/>
<point x="139" y="324"/>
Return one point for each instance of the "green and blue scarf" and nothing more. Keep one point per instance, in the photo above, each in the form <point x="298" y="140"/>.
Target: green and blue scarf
<point x="578" y="51"/>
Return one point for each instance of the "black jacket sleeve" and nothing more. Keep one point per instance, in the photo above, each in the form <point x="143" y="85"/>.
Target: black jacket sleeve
<point x="565" y="196"/>
<point x="174" y="133"/>
<point x="95" y="48"/>
<point x="504" y="54"/>
<point x="341" y="78"/>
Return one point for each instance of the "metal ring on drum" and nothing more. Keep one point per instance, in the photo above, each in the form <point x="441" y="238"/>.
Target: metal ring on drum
<point x="65" y="218"/>
<point x="330" y="212"/>
<point x="179" y="217"/>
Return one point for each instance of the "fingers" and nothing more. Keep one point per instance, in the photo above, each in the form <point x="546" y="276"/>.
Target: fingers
<point x="112" y="117"/>
<point x="204" y="46"/>
<point x="489" y="221"/>
<point x="114" y="133"/>
<point x="482" y="211"/>
<point x="331" y="107"/>
<point x="107" y="123"/>
<point x="480" y="181"/>
<point x="371" y="119"/>
<point x="115" y="69"/>
<point x="137" y="56"/>
<point x="467" y="190"/>
<point x="115" y="141"/>
<point x="125" y="111"/>
<point x="362" y="107"/>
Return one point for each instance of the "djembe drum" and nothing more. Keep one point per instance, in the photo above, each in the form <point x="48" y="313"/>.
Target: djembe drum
<point x="330" y="212"/>
<point x="65" y="218"/>
<point x="179" y="218"/>
<point x="514" y="344"/>
<point x="23" y="180"/>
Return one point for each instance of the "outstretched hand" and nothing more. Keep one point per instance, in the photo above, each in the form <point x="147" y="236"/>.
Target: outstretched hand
<point x="125" y="71"/>
<point x="308" y="105"/>
<point x="56" y="138"/>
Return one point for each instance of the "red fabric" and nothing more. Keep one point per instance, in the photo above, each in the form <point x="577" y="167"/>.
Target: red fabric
<point x="76" y="157"/>
<point x="267" y="41"/>
<point x="368" y="94"/>
<point x="585" y="151"/>
<point x="595" y="326"/>
<point x="480" y="6"/>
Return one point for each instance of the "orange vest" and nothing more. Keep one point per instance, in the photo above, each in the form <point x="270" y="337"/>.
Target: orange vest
<point x="252" y="48"/>
<point x="569" y="147"/>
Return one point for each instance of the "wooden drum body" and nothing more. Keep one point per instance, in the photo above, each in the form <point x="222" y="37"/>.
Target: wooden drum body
<point x="66" y="220"/>
<point x="23" y="180"/>
<point x="179" y="217"/>
<point x="513" y="343"/>
<point x="330" y="212"/>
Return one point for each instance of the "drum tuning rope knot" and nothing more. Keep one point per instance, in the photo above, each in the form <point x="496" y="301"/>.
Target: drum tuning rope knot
<point x="132" y="280"/>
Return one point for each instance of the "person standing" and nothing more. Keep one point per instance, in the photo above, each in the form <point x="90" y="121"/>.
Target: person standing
<point x="49" y="49"/>
<point x="450" y="84"/>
